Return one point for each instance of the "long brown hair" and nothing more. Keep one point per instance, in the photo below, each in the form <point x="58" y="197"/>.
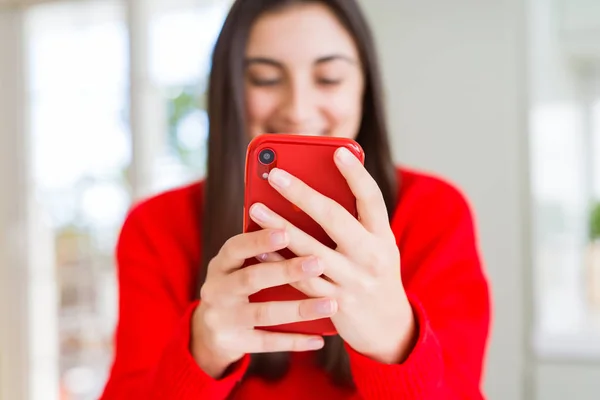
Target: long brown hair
<point x="227" y="142"/>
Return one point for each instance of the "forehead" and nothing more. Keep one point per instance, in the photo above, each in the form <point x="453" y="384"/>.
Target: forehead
<point x="300" y="32"/>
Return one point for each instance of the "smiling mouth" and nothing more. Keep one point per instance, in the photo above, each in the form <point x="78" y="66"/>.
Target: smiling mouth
<point x="300" y="132"/>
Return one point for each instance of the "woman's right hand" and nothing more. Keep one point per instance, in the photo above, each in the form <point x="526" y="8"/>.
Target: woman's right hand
<point x="223" y="324"/>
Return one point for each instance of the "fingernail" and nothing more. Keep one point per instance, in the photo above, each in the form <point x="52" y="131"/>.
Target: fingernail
<point x="311" y="266"/>
<point x="260" y="213"/>
<point x="314" y="343"/>
<point x="325" y="307"/>
<point x="280" y="178"/>
<point x="278" y="238"/>
<point x="345" y="157"/>
<point x="262" y="257"/>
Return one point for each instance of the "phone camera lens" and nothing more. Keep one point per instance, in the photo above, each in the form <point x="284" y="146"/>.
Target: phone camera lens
<point x="266" y="156"/>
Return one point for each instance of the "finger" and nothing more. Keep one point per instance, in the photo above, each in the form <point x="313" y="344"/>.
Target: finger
<point x="255" y="278"/>
<point x="335" y="220"/>
<point x="316" y="287"/>
<point x="248" y="245"/>
<point x="302" y="244"/>
<point x="271" y="342"/>
<point x="285" y="312"/>
<point x="369" y="199"/>
<point x="270" y="257"/>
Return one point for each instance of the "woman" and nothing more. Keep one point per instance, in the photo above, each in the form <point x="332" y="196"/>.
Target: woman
<point x="405" y="286"/>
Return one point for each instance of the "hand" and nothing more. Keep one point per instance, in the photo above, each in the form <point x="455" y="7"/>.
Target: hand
<point x="374" y="316"/>
<point x="223" y="324"/>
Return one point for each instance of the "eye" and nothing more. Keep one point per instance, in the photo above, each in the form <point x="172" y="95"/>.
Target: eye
<point x="329" y="82"/>
<point x="264" y="82"/>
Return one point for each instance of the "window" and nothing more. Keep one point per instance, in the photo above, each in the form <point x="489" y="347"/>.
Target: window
<point x="81" y="150"/>
<point x="181" y="40"/>
<point x="565" y="176"/>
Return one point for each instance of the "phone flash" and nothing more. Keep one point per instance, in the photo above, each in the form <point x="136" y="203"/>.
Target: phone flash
<point x="265" y="175"/>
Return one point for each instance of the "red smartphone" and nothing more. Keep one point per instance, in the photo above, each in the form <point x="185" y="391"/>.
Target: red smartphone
<point x="309" y="158"/>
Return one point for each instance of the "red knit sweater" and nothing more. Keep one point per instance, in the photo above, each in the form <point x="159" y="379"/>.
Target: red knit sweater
<point x="158" y="257"/>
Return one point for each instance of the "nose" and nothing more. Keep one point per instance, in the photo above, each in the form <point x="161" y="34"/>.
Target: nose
<point x="299" y="106"/>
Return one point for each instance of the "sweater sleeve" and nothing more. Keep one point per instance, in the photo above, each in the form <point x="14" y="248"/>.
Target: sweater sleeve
<point x="152" y="357"/>
<point x="448" y="292"/>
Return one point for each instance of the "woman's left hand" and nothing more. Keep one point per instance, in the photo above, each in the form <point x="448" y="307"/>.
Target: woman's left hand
<point x="363" y="273"/>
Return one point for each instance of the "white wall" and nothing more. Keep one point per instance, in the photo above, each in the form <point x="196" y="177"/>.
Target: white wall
<point x="13" y="297"/>
<point x="455" y="76"/>
<point x="561" y="381"/>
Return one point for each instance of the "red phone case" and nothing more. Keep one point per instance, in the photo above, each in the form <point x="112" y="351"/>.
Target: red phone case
<point x="309" y="158"/>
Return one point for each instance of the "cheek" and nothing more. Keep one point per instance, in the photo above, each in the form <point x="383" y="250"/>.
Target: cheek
<point x="345" y="114"/>
<point x="260" y="106"/>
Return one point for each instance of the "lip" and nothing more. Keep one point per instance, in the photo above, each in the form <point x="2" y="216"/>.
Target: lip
<point x="304" y="132"/>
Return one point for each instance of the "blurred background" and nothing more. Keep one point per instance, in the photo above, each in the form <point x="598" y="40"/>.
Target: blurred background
<point x="102" y="103"/>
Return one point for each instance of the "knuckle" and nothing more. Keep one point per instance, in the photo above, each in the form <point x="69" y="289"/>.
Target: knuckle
<point x="375" y="264"/>
<point x="251" y="277"/>
<point x="297" y="344"/>
<point x="369" y="286"/>
<point x="370" y="188"/>
<point x="373" y="269"/>
<point x="262" y="314"/>
<point x="210" y="318"/>
<point x="373" y="193"/>
<point x="271" y="343"/>
<point x="375" y="259"/>
<point x="212" y="263"/>
<point x="206" y="294"/>
<point x="291" y="269"/>
<point x="227" y="248"/>
<point x="329" y="208"/>
<point x="304" y="310"/>
<point x="258" y="239"/>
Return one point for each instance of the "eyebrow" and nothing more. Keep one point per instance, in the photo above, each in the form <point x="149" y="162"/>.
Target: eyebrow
<point x="320" y="60"/>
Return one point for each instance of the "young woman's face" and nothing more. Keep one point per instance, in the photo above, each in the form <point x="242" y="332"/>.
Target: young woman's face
<point x="303" y="74"/>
